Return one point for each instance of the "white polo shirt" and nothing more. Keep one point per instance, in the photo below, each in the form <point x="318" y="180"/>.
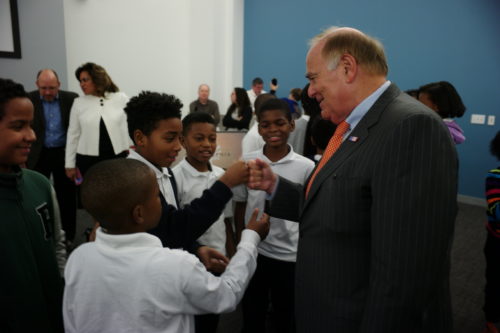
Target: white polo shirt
<point x="281" y="242"/>
<point x="130" y="283"/>
<point x="162" y="177"/>
<point x="190" y="185"/>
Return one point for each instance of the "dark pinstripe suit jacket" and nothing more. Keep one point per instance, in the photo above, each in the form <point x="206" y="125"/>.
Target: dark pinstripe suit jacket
<point x="377" y="226"/>
<point x="66" y="99"/>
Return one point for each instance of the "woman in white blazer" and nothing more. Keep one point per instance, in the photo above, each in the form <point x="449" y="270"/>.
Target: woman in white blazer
<point x="98" y="125"/>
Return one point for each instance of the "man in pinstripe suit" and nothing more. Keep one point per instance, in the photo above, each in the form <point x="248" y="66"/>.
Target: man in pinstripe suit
<point x="376" y="224"/>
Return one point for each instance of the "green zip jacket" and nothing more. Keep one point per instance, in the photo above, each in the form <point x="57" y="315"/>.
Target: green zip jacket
<point x="31" y="286"/>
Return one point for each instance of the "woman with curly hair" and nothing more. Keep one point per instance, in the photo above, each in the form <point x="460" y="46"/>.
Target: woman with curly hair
<point x="239" y="113"/>
<point x="98" y="125"/>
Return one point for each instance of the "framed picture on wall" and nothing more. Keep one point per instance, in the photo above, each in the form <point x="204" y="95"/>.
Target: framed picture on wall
<point x="10" y="43"/>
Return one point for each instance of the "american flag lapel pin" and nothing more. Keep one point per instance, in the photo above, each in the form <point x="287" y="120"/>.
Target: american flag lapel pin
<point x="353" y="138"/>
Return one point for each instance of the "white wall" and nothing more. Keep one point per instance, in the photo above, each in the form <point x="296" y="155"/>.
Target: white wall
<point x="41" y="29"/>
<point x="161" y="45"/>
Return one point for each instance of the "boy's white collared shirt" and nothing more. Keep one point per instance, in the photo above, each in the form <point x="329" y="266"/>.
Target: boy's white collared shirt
<point x="281" y="242"/>
<point x="190" y="185"/>
<point x="163" y="178"/>
<point x="130" y="283"/>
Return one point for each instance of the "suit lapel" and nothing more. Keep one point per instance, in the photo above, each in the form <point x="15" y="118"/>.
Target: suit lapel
<point x="63" y="107"/>
<point x="348" y="147"/>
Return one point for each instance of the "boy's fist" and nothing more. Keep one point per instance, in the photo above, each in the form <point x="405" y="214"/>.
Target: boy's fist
<point x="236" y="174"/>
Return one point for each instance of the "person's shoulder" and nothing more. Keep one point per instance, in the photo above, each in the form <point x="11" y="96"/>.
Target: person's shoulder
<point x="173" y="258"/>
<point x="68" y="94"/>
<point x="32" y="176"/>
<point x="403" y="107"/>
<point x="302" y="160"/>
<point x="495" y="172"/>
<point x="253" y="155"/>
<point x="212" y="102"/>
<point x="33" y="95"/>
<point x="217" y="170"/>
<point x="177" y="170"/>
<point x="118" y="96"/>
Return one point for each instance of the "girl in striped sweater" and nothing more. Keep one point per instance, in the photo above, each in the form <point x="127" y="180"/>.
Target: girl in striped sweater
<point x="492" y="248"/>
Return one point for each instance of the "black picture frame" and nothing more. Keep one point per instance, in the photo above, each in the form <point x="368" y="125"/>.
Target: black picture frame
<point x="14" y="20"/>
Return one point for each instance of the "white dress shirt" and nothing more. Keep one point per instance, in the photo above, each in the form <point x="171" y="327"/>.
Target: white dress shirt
<point x="162" y="177"/>
<point x="130" y="283"/>
<point x="252" y="141"/>
<point x="190" y="185"/>
<point x="281" y="242"/>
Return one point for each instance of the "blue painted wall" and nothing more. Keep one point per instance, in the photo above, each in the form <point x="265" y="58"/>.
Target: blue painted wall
<point x="425" y="41"/>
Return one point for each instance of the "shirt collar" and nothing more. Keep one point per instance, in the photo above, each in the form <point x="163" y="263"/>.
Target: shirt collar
<point x="55" y="99"/>
<point x="285" y="159"/>
<point x="192" y="170"/>
<point x="159" y="174"/>
<point x="359" y="111"/>
<point x="124" y="241"/>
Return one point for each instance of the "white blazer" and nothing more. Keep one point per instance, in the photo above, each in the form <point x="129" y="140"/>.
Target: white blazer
<point x="85" y="117"/>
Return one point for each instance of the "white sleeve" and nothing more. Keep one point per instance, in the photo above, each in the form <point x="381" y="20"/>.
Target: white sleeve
<point x="59" y="235"/>
<point x="179" y="182"/>
<point x="228" y="210"/>
<point x="206" y="293"/>
<point x="240" y="193"/>
<point x="72" y="136"/>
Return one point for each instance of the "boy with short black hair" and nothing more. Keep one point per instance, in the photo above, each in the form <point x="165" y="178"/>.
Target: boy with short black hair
<point x="155" y="127"/>
<point x="195" y="174"/>
<point x="275" y="272"/>
<point x="126" y="280"/>
<point x="31" y="239"/>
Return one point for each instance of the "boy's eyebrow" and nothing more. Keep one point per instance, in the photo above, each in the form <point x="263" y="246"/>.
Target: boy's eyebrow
<point x="172" y="133"/>
<point x="19" y="122"/>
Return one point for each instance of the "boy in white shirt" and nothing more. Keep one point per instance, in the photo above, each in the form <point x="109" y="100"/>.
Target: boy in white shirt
<point x="154" y="124"/>
<point x="195" y="174"/>
<point x="275" y="274"/>
<point x="126" y="280"/>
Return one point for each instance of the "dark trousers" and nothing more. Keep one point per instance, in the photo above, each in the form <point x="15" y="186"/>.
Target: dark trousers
<point x="51" y="162"/>
<point x="206" y="323"/>
<point x="273" y="282"/>
<point x="492" y="290"/>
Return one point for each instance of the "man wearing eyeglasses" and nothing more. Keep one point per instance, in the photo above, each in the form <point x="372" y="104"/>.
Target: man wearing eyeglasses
<point x="50" y="123"/>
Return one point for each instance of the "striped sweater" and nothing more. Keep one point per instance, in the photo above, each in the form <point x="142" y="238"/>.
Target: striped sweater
<point x="493" y="201"/>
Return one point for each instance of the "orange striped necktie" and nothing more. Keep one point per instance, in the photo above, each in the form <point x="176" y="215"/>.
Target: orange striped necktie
<point x="331" y="148"/>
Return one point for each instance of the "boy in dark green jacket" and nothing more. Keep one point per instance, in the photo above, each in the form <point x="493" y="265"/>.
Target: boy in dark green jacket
<point x="30" y="233"/>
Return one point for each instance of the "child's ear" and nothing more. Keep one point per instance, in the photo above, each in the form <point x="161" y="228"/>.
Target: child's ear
<point x="292" y="124"/>
<point x="182" y="140"/>
<point x="139" y="137"/>
<point x="138" y="214"/>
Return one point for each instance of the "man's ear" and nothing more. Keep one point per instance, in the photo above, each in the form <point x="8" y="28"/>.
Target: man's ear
<point x="139" y="138"/>
<point x="349" y="67"/>
<point x="138" y="214"/>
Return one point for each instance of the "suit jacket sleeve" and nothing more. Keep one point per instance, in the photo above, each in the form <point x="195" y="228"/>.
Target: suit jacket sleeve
<point x="287" y="201"/>
<point x="412" y="221"/>
<point x="180" y="228"/>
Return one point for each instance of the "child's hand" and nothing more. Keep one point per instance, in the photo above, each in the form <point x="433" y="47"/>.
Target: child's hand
<point x="213" y="260"/>
<point x="236" y="174"/>
<point x="260" y="226"/>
